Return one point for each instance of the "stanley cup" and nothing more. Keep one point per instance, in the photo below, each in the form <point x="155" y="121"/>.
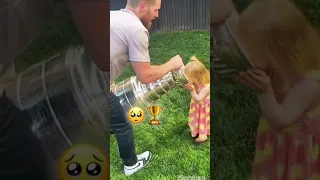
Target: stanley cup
<point x="133" y="93"/>
<point x="63" y="98"/>
<point x="226" y="56"/>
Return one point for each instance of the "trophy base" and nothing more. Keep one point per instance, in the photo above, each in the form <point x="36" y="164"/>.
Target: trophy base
<point x="154" y="122"/>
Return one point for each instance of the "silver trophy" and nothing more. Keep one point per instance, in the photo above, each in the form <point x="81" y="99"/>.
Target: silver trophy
<point x="65" y="101"/>
<point x="133" y="93"/>
<point x="227" y="58"/>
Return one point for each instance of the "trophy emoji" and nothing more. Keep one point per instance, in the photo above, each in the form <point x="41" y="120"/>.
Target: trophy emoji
<point x="154" y="111"/>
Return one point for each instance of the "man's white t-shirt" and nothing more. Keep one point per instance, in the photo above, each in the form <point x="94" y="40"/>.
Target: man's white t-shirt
<point x="129" y="41"/>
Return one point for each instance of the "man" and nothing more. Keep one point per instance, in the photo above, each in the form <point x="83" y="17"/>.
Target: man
<point x="129" y="41"/>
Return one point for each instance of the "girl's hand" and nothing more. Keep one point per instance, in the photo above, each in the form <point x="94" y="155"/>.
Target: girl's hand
<point x="189" y="86"/>
<point x="256" y="79"/>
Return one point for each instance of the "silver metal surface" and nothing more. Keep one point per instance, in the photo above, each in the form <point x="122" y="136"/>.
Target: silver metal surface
<point x="227" y="57"/>
<point x="65" y="100"/>
<point x="133" y="93"/>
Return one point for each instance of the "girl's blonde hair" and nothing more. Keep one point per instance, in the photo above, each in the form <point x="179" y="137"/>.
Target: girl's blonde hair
<point x="196" y="72"/>
<point x="277" y="32"/>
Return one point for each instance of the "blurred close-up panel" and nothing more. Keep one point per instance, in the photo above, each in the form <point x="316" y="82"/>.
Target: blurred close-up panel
<point x="21" y="21"/>
<point x="236" y="111"/>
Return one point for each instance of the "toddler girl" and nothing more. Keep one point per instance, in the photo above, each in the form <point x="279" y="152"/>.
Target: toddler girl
<point x="285" y="51"/>
<point x="199" y="86"/>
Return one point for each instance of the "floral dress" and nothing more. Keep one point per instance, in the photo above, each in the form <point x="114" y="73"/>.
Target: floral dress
<point x="199" y="118"/>
<point x="291" y="153"/>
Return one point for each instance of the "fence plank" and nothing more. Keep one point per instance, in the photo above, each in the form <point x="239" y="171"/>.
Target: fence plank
<point x="177" y="14"/>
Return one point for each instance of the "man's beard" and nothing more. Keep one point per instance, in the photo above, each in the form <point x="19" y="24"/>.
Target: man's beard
<point x="147" y="25"/>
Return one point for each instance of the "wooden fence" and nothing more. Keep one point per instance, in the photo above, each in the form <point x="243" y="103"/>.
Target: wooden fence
<point x="177" y="14"/>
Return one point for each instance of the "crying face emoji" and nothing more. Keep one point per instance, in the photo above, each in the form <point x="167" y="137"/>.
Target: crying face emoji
<point x="136" y="115"/>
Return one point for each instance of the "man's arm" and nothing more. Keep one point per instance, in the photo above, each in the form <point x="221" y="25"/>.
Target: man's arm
<point x="92" y="21"/>
<point x="140" y="59"/>
<point x="147" y="73"/>
<point x="220" y="10"/>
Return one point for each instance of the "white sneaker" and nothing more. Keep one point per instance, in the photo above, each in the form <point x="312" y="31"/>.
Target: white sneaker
<point x="143" y="160"/>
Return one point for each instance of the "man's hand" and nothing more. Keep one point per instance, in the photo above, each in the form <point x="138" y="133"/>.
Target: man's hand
<point x="256" y="79"/>
<point x="147" y="73"/>
<point x="176" y="62"/>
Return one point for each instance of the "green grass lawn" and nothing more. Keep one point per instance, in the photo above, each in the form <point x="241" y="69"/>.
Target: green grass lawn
<point x="174" y="151"/>
<point x="234" y="123"/>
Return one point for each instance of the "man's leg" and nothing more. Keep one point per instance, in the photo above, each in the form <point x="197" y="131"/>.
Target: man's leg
<point x="21" y="152"/>
<point x="122" y="128"/>
<point x="123" y="131"/>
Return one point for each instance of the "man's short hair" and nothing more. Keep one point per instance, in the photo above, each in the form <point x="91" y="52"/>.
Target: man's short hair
<point x="135" y="3"/>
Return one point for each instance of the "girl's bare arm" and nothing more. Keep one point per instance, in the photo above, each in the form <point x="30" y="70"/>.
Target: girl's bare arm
<point x="294" y="105"/>
<point x="202" y="94"/>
